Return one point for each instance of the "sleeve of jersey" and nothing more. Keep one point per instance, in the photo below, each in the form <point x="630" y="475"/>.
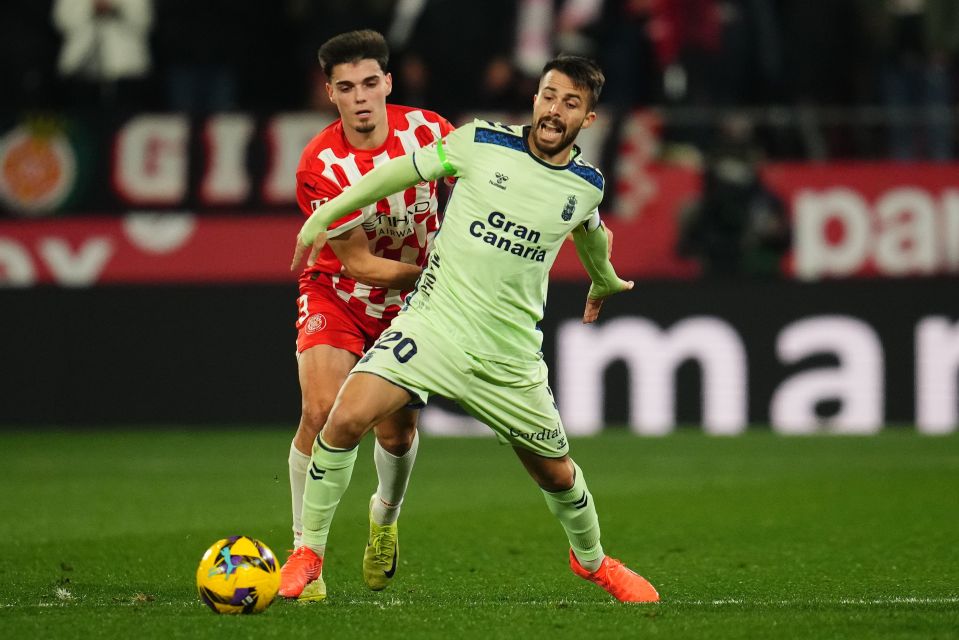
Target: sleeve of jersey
<point x="592" y="221"/>
<point x="592" y="247"/>
<point x="447" y="128"/>
<point x="386" y="179"/>
<point x="314" y="191"/>
<point x="446" y="157"/>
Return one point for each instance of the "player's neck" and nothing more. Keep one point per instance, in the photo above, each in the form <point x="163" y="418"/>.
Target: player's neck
<point x="369" y="139"/>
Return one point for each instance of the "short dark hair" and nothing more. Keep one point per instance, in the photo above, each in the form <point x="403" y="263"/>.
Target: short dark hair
<point x="584" y="73"/>
<point x="354" y="46"/>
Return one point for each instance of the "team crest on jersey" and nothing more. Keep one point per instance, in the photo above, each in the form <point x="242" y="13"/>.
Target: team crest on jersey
<point x="569" y="209"/>
<point x="317" y="322"/>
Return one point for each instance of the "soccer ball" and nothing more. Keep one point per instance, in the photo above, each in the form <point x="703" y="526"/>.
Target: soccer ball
<point x="238" y="574"/>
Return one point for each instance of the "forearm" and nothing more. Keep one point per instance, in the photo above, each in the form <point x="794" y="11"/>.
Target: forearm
<point x="382" y="272"/>
<point x="389" y="178"/>
<point x="592" y="247"/>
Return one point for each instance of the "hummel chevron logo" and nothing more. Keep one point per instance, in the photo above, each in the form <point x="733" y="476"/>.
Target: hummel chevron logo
<point x="582" y="502"/>
<point x="316" y="473"/>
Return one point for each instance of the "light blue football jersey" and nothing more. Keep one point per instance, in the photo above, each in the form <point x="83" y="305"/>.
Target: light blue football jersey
<point x="508" y="215"/>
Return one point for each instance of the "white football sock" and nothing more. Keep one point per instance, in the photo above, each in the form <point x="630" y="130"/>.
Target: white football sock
<point x="393" y="473"/>
<point x="299" y="462"/>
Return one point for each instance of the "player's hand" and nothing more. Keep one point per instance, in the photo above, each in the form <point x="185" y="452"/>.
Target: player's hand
<point x="594" y="304"/>
<point x="301" y="248"/>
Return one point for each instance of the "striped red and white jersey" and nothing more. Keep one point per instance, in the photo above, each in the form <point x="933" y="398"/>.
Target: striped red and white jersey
<point x="399" y="227"/>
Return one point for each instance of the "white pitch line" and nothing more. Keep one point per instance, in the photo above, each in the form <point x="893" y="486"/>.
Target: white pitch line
<point x="799" y="603"/>
<point x="725" y="602"/>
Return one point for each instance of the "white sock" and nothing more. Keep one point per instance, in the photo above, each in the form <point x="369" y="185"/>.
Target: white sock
<point x="393" y="473"/>
<point x="299" y="462"/>
<point x="591" y="565"/>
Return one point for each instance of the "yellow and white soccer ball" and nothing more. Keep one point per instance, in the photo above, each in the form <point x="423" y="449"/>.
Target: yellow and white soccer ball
<point x="238" y="574"/>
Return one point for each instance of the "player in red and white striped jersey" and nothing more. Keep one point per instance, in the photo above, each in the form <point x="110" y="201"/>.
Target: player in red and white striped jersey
<point x="398" y="228"/>
<point x="384" y="246"/>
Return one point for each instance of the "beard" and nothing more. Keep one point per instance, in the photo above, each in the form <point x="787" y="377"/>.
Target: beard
<point x="550" y="147"/>
<point x="364" y="127"/>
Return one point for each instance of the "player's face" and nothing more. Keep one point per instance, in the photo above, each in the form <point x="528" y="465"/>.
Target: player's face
<point x="359" y="90"/>
<point x="560" y="110"/>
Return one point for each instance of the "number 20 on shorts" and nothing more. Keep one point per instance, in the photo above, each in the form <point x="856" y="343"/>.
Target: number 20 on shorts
<point x="403" y="348"/>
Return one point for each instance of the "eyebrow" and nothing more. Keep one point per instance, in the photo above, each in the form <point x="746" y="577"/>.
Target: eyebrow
<point x="363" y="81"/>
<point x="565" y="96"/>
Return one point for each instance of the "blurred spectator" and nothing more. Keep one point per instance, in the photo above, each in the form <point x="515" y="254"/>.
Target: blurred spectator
<point x="28" y="45"/>
<point x="825" y="52"/>
<point x="737" y="226"/>
<point x="480" y="74"/>
<point x="751" y="61"/>
<point x="534" y="42"/>
<point x="105" y="56"/>
<point x="916" y="42"/>
<point x="688" y="39"/>
<point x="715" y="53"/>
<point x="199" y="47"/>
<point x="625" y="48"/>
<point x="316" y="21"/>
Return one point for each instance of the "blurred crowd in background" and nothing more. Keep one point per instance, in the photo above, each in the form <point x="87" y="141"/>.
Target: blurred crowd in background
<point x="452" y="56"/>
<point x="729" y="83"/>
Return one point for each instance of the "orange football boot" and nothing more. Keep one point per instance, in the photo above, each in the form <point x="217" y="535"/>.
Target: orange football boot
<point x="617" y="579"/>
<point x="300" y="569"/>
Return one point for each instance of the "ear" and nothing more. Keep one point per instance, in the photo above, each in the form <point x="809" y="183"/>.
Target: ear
<point x="589" y="120"/>
<point x="388" y="79"/>
<point x="329" y="91"/>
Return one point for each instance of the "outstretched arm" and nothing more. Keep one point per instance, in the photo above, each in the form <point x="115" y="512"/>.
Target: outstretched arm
<point x="386" y="179"/>
<point x="353" y="251"/>
<point x="594" y="249"/>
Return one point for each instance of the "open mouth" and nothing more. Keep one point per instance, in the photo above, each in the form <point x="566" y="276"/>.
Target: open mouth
<point x="550" y="131"/>
<point x="365" y="113"/>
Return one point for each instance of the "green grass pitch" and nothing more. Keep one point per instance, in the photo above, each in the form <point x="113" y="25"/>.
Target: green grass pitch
<point x="750" y="537"/>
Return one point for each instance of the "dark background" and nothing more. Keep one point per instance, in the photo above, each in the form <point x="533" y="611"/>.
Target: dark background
<point x="225" y="355"/>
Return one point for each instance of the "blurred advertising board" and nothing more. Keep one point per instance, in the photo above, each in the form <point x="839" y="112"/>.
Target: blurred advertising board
<point x="166" y="198"/>
<point x="849" y="357"/>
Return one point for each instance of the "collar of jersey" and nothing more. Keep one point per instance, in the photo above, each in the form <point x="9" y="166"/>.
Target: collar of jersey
<point x="557" y="167"/>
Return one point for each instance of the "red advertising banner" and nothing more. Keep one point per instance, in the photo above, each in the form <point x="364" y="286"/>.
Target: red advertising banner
<point x="849" y="220"/>
<point x="171" y="248"/>
<point x="162" y="248"/>
<point x="880" y="219"/>
<point x="644" y="244"/>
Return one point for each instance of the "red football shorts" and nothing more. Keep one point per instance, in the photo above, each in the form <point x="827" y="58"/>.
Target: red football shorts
<point x="324" y="318"/>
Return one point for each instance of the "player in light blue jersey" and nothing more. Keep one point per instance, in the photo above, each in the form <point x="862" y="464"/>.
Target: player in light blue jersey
<point x="469" y="329"/>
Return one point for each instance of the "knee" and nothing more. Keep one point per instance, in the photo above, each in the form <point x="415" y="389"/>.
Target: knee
<point x="345" y="427"/>
<point x="313" y="417"/>
<point x="555" y="484"/>
<point x="557" y="478"/>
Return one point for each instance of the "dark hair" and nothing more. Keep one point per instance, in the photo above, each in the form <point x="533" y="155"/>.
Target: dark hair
<point x="354" y="46"/>
<point x="584" y="73"/>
